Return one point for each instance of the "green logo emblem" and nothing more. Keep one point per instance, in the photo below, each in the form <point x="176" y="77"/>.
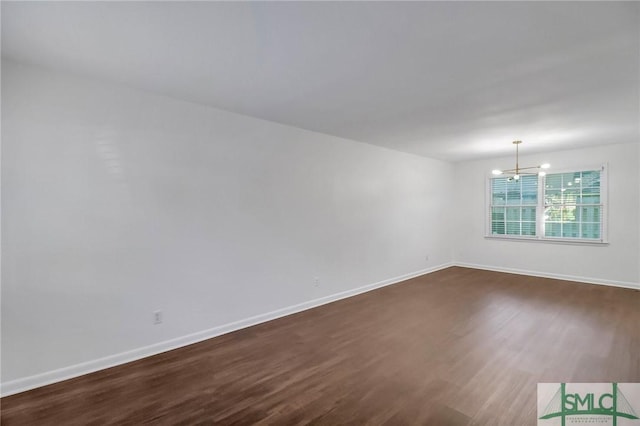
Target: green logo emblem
<point x="582" y="402"/>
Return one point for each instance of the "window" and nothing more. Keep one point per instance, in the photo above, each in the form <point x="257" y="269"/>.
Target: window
<point x="513" y="206"/>
<point x="559" y="206"/>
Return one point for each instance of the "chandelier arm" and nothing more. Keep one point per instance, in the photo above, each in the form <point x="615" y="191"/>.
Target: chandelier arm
<point x="532" y="167"/>
<point x="521" y="168"/>
<point x="521" y="173"/>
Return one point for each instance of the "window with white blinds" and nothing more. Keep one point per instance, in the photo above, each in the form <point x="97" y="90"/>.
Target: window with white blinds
<point x="568" y="206"/>
<point x="513" y="206"/>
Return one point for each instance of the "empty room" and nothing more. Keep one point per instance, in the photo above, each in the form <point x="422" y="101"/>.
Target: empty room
<point x="331" y="213"/>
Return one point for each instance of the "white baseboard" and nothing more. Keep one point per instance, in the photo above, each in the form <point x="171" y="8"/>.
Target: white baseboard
<point x="588" y="280"/>
<point x="49" y="377"/>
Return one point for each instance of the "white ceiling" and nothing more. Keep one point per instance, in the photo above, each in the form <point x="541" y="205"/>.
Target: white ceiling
<point x="448" y="80"/>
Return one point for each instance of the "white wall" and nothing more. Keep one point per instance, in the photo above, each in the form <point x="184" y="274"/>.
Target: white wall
<point x="615" y="263"/>
<point x="117" y="203"/>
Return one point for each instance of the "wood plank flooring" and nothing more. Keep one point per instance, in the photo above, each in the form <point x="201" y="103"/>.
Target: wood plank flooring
<point x="455" y="347"/>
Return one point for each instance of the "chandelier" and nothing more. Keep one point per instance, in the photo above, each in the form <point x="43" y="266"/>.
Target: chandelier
<point x="514" y="174"/>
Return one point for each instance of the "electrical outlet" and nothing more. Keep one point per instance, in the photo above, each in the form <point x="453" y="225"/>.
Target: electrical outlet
<point x="157" y="317"/>
<point x="316" y="281"/>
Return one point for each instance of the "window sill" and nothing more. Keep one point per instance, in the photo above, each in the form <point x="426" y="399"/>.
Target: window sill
<point x="551" y="240"/>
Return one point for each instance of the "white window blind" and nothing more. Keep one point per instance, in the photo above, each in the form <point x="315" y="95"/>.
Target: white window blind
<point x="513" y="206"/>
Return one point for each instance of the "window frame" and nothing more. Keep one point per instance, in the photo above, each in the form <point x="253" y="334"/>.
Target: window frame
<point x="540" y="208"/>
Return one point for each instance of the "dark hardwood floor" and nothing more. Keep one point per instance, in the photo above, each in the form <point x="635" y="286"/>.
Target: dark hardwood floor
<point x="455" y="347"/>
